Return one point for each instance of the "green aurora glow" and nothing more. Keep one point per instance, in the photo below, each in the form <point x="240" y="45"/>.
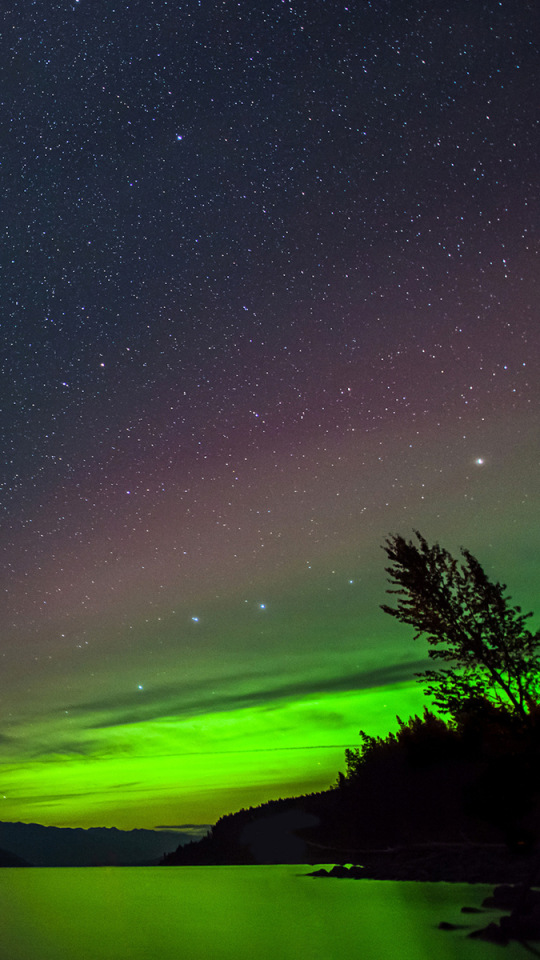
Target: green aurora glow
<point x="177" y="770"/>
<point x="161" y="719"/>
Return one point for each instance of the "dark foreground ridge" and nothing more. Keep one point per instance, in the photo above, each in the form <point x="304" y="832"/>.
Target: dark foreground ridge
<point x="313" y="829"/>
<point x="430" y="803"/>
<point x="279" y="832"/>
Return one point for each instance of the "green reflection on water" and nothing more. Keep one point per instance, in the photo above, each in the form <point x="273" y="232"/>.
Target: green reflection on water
<point x="231" y="913"/>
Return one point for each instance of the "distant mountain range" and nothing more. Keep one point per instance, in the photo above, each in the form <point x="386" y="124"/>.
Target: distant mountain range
<point x="31" y="844"/>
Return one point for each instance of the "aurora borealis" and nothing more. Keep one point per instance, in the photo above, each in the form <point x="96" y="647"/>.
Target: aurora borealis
<point x="270" y="292"/>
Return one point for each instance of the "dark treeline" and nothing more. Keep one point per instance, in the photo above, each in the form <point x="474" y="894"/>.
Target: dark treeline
<point x="431" y="784"/>
<point x="455" y="797"/>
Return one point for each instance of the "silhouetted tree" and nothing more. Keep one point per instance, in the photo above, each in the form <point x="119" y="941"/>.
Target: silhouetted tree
<point x="467" y="620"/>
<point x="422" y="740"/>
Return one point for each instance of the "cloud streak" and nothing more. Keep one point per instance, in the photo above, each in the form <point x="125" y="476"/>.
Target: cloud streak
<point x="193" y="699"/>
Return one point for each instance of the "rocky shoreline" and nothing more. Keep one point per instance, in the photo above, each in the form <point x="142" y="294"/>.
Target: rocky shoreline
<point x="517" y="898"/>
<point x="432" y="862"/>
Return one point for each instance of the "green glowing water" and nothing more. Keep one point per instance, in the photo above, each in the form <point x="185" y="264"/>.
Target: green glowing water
<point x="232" y="913"/>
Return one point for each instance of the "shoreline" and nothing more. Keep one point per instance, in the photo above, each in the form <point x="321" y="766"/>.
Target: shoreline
<point x="436" y="862"/>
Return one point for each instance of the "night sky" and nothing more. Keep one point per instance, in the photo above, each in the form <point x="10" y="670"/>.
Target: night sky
<point x="269" y="292"/>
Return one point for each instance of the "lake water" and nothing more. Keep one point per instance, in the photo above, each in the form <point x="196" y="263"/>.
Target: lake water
<point x="233" y="913"/>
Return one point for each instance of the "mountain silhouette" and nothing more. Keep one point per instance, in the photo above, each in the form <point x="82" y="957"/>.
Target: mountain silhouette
<point x="43" y="846"/>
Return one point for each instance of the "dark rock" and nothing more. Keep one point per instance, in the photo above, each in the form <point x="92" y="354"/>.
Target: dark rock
<point x="471" y="910"/>
<point x="339" y="871"/>
<point x="506" y="897"/>
<point x="492" y="932"/>
<point x="354" y="873"/>
<point x="521" y="927"/>
<point x="444" y="925"/>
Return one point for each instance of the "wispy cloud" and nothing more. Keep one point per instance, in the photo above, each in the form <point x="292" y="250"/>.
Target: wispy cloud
<point x="195" y="699"/>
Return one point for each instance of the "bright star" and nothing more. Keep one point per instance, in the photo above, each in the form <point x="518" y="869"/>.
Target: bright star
<point x="196" y="619"/>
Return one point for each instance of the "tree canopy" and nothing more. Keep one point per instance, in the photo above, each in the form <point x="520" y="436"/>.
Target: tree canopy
<point x="468" y="621"/>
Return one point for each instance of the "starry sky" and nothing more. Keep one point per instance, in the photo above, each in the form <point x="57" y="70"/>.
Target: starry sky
<point x="269" y="281"/>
